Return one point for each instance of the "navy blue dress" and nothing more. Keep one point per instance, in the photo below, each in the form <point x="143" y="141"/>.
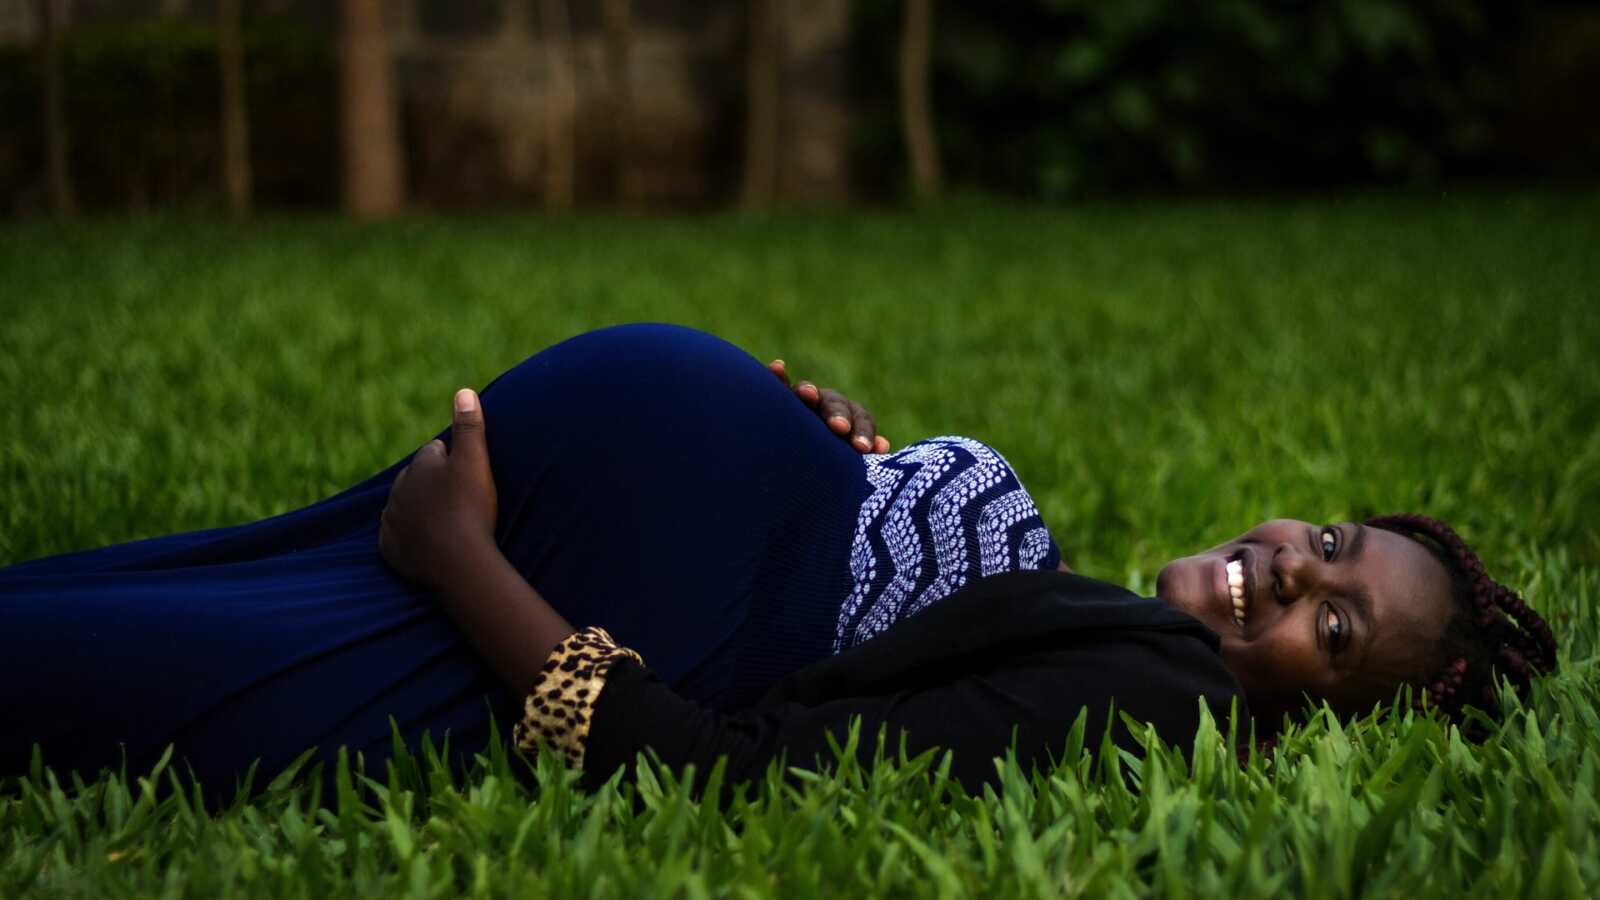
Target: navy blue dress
<point x="653" y="480"/>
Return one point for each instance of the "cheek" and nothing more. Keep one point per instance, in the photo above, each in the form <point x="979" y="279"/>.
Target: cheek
<point x="1277" y="664"/>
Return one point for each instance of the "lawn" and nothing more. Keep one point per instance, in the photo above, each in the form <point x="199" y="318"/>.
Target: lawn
<point x="1161" y="375"/>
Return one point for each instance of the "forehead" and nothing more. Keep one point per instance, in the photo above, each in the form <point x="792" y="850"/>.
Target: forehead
<point x="1411" y="597"/>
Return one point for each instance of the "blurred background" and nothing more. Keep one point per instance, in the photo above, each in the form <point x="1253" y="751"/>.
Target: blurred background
<point x="379" y="106"/>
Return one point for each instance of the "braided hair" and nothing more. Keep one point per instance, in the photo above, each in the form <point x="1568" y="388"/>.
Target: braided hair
<point x="1492" y="631"/>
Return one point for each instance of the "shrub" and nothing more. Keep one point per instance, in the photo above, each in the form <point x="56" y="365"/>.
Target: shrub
<point x="1065" y="97"/>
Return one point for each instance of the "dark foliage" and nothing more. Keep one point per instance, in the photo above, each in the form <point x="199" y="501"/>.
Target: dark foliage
<point x="1067" y="97"/>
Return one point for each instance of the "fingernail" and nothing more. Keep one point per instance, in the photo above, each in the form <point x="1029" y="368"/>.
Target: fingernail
<point x="777" y="362"/>
<point x="839" y="419"/>
<point x="466" y="400"/>
<point x="861" y="442"/>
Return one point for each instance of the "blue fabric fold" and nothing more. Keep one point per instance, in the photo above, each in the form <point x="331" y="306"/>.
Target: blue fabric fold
<point x="653" y="480"/>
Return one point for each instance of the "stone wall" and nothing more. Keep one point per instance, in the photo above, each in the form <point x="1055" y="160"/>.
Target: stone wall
<point x="473" y="82"/>
<point x="472" y="79"/>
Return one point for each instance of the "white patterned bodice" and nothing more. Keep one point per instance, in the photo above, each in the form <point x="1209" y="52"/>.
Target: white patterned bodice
<point x="941" y="512"/>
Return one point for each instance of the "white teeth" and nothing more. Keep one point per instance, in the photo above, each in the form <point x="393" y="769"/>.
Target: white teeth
<point x="1236" y="574"/>
<point x="1236" y="589"/>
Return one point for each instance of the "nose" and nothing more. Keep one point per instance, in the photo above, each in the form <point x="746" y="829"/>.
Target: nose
<point x="1293" y="573"/>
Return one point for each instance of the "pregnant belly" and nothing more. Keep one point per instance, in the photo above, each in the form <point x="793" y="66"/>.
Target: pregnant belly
<point x="655" y="479"/>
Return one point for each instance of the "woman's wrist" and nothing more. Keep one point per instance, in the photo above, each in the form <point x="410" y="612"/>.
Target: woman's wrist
<point x="465" y="565"/>
<point x="502" y="616"/>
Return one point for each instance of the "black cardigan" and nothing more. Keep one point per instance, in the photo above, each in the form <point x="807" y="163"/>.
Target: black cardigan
<point x="1022" y="651"/>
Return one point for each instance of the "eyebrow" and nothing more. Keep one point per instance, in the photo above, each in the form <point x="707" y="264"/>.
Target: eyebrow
<point x="1360" y="598"/>
<point x="1358" y="541"/>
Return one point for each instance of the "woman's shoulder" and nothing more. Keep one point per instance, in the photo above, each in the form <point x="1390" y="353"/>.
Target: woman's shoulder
<point x="1011" y="616"/>
<point x="1030" y="605"/>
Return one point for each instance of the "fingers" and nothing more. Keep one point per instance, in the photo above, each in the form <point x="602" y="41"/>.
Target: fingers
<point x="386" y="521"/>
<point x="844" y="417"/>
<point x="847" y="418"/>
<point x="834" y="408"/>
<point x="386" y="544"/>
<point x="864" y="430"/>
<point x="778" y="368"/>
<point x="808" y="393"/>
<point x="805" y="390"/>
<point x="466" y="429"/>
<point x="430" y="454"/>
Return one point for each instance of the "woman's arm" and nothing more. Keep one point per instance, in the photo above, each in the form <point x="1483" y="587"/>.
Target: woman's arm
<point x="598" y="704"/>
<point x="504" y="618"/>
<point x="438" y="531"/>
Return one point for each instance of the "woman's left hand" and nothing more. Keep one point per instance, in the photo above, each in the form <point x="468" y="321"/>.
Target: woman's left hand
<point x="442" y="506"/>
<point x="844" y="416"/>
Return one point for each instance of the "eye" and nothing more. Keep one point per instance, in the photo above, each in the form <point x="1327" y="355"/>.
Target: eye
<point x="1330" y="543"/>
<point x="1336" y="633"/>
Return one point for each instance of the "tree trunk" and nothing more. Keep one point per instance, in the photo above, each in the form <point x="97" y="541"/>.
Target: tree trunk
<point x="561" y="106"/>
<point x="236" y="178"/>
<point x="762" y="87"/>
<point x="374" y="175"/>
<point x="618" y="16"/>
<point x="814" y="110"/>
<point x="52" y="110"/>
<point x="916" y="100"/>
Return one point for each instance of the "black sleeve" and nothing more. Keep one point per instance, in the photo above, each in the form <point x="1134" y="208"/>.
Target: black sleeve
<point x="1155" y="677"/>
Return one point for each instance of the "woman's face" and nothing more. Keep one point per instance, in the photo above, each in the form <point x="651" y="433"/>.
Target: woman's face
<point x="1340" y="612"/>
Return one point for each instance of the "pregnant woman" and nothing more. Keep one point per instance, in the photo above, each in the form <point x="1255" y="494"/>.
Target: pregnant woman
<point x="743" y="583"/>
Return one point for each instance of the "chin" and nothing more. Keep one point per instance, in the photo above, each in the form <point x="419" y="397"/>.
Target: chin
<point x="1185" y="584"/>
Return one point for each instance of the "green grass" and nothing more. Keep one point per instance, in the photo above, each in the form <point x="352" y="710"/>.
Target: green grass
<point x="1161" y="376"/>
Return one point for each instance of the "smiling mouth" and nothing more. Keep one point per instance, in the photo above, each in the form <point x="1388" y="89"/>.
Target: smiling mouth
<point x="1238" y="590"/>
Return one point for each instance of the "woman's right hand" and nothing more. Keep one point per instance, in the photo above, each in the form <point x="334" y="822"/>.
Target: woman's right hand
<point x="844" y="416"/>
<point x="438" y="531"/>
<point x="440" y="518"/>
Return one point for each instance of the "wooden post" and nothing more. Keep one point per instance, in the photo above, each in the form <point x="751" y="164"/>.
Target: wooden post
<point x="52" y="111"/>
<point x="374" y="175"/>
<point x="762" y="94"/>
<point x="561" y="107"/>
<point x="236" y="176"/>
<point x="618" y="16"/>
<point x="916" y="100"/>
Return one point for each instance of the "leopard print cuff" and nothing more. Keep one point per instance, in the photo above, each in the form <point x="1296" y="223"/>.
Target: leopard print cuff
<point x="559" y="706"/>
